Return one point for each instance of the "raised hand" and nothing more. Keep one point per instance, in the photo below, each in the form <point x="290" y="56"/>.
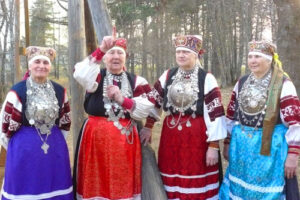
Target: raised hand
<point x="108" y="41"/>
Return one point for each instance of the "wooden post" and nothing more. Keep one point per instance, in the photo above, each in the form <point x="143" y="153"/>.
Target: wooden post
<point x="101" y="18"/>
<point x="91" y="41"/>
<point x="77" y="52"/>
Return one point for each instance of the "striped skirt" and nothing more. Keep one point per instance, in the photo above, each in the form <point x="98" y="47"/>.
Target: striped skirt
<point x="182" y="163"/>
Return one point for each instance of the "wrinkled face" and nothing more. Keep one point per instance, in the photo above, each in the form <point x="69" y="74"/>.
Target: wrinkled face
<point x="115" y="60"/>
<point x="185" y="59"/>
<point x="39" y="69"/>
<point x="258" y="65"/>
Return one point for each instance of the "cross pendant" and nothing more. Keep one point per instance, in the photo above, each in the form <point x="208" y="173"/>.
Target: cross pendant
<point x="45" y="147"/>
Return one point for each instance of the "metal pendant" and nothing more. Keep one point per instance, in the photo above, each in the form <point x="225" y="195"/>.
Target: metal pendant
<point x="172" y="122"/>
<point x="193" y="115"/>
<point x="31" y="121"/>
<point x="116" y="123"/>
<point x="123" y="131"/>
<point x="45" y="147"/>
<point x="179" y="127"/>
<point x="188" y="123"/>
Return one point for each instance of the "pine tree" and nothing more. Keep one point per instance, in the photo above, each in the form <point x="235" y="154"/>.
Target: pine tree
<point x="40" y="27"/>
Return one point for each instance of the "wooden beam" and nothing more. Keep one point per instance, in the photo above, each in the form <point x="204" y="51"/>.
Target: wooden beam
<point x="77" y="52"/>
<point x="101" y="18"/>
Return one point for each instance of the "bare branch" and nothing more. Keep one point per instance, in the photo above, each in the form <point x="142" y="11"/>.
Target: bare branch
<point x="60" y="4"/>
<point x="55" y="21"/>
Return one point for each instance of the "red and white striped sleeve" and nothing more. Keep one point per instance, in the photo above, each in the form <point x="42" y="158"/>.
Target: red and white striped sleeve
<point x="10" y="117"/>
<point x="213" y="110"/>
<point x="65" y="116"/>
<point x="290" y="115"/>
<point x="139" y="105"/>
<point x="231" y="108"/>
<point x="156" y="96"/>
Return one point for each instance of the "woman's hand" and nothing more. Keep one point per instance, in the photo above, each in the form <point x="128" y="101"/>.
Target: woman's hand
<point x="108" y="41"/>
<point x="212" y="156"/>
<point x="114" y="93"/>
<point x="226" y="151"/>
<point x="145" y="136"/>
<point x="290" y="167"/>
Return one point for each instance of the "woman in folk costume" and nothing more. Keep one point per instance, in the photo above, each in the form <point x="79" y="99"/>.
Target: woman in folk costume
<point x="35" y="119"/>
<point x="264" y="126"/>
<point x="108" y="157"/>
<point x="193" y="126"/>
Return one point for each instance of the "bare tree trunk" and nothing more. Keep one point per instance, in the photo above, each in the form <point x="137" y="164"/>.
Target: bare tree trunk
<point x="76" y="53"/>
<point x="17" y="69"/>
<point x="288" y="39"/>
<point x="12" y="39"/>
<point x="144" y="52"/>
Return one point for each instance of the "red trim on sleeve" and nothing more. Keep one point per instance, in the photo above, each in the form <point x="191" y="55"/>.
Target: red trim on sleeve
<point x="128" y="103"/>
<point x="98" y="54"/>
<point x="150" y="122"/>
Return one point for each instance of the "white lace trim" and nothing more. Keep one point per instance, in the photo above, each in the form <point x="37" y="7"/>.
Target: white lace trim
<point x="255" y="187"/>
<point x="135" y="197"/>
<point x="190" y="177"/>
<point x="37" y="196"/>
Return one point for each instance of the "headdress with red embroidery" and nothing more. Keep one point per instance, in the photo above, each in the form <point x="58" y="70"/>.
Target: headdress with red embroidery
<point x="192" y="43"/>
<point x="120" y="44"/>
<point x="35" y="52"/>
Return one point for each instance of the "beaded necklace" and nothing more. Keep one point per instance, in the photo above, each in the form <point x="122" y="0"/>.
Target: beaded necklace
<point x="115" y="111"/>
<point x="182" y="95"/>
<point x="41" y="108"/>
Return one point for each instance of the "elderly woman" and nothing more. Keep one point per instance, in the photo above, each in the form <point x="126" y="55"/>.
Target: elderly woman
<point x="34" y="119"/>
<point x="193" y="126"/>
<point x="264" y="126"/>
<point x="108" y="157"/>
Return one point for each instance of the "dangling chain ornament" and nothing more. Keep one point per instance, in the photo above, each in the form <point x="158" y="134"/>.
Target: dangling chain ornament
<point x="252" y="101"/>
<point x="41" y="109"/>
<point x="182" y="95"/>
<point x="114" y="111"/>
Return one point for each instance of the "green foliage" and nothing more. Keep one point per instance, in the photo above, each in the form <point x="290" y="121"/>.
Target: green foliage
<point x="40" y="27"/>
<point x="126" y="12"/>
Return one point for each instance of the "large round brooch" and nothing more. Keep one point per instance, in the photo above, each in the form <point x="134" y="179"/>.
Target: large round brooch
<point x="181" y="94"/>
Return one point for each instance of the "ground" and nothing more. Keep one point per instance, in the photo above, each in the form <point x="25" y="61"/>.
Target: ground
<point x="226" y="93"/>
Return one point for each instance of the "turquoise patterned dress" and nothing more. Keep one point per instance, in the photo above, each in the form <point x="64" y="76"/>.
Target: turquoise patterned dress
<point x="250" y="175"/>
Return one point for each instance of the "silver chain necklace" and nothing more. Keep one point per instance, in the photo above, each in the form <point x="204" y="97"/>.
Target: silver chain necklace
<point x="41" y="108"/>
<point x="252" y="101"/>
<point x="182" y="95"/>
<point x="113" y="107"/>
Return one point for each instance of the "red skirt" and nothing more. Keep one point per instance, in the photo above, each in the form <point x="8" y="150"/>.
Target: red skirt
<point x="108" y="166"/>
<point x="182" y="162"/>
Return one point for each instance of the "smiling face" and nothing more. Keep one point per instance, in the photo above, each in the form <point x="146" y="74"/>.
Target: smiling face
<point x="39" y="70"/>
<point x="258" y="65"/>
<point x="185" y="59"/>
<point x="115" y="61"/>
